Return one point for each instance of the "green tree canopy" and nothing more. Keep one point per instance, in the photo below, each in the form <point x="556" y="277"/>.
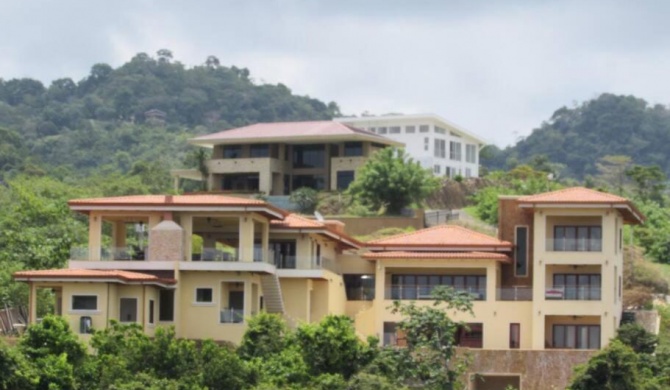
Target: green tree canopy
<point x="392" y="179"/>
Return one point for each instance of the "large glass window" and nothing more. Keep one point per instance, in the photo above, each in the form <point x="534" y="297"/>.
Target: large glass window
<point x="521" y="251"/>
<point x="577" y="238"/>
<point x="470" y="336"/>
<point x="344" y="179"/>
<point x="410" y="129"/>
<point x="394" y="130"/>
<point x="440" y="148"/>
<point x="309" y="156"/>
<point x="424" y="128"/>
<point x="359" y="287"/>
<point x="582" y="287"/>
<point x="259" y="150"/>
<point x="317" y="182"/>
<point x="232" y="151"/>
<point x="471" y="153"/>
<point x="455" y="151"/>
<point x="421" y="286"/>
<point x="84" y="302"/>
<point x="353" y="149"/>
<point x="284" y="254"/>
<point x="576" y="336"/>
<point x="166" y="305"/>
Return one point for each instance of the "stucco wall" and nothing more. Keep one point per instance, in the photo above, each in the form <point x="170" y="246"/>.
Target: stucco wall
<point x="539" y="370"/>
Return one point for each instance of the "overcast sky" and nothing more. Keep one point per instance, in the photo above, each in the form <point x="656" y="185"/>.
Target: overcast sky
<point x="497" y="68"/>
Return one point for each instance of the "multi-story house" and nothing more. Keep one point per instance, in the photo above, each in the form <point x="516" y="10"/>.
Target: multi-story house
<point x="439" y="145"/>
<point x="277" y="158"/>
<point x="546" y="292"/>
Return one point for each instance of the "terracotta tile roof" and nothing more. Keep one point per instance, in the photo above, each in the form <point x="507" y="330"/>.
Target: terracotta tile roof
<point x="283" y="130"/>
<point x="438" y="255"/>
<point x="573" y="195"/>
<point x="295" y="221"/>
<point x="440" y="236"/>
<point x="586" y="196"/>
<point x="74" y="274"/>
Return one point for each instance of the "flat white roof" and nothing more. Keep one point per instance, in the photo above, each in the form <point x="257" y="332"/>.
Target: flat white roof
<point x="426" y="116"/>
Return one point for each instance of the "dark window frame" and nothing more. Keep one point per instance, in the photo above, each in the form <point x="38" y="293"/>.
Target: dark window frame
<point x="202" y="293"/>
<point x="517" y="251"/>
<point x="576" y="339"/>
<point x="84" y="304"/>
<point x="567" y="238"/>
<point x="580" y="291"/>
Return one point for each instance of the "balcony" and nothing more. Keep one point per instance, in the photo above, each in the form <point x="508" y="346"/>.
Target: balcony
<point x="425" y="292"/>
<point x="573" y="293"/>
<point x="220" y="255"/>
<point x="294" y="262"/>
<point x="574" y="245"/>
<point x="126" y="253"/>
<point x="515" y="293"/>
<point x="232" y="316"/>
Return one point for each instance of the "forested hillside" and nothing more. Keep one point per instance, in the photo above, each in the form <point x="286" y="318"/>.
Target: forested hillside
<point x="143" y="111"/>
<point x="579" y="137"/>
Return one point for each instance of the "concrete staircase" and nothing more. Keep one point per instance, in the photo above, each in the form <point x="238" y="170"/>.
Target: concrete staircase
<point x="272" y="297"/>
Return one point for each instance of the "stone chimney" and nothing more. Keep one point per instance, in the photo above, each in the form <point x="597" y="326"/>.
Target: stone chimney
<point x="166" y="242"/>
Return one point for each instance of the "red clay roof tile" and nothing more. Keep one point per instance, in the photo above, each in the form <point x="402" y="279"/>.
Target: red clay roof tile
<point x="441" y="236"/>
<point x="125" y="276"/>
<point x="438" y="255"/>
<point x="573" y="195"/>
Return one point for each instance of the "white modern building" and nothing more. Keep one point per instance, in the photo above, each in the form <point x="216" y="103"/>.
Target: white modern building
<point x="439" y="145"/>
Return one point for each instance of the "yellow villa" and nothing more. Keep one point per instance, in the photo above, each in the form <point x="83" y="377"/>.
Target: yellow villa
<point x="547" y="290"/>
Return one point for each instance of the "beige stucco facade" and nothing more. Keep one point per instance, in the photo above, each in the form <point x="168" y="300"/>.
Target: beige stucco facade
<point x="248" y="263"/>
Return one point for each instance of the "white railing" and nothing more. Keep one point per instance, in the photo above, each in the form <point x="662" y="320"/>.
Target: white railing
<point x="232" y="316"/>
<point x="514" y="293"/>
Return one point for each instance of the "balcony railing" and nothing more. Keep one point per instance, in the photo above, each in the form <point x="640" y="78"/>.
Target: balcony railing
<point x="366" y="293"/>
<point x="215" y="254"/>
<point x="574" y="245"/>
<point x="515" y="293"/>
<point x="127" y="253"/>
<point x="573" y="293"/>
<point x="420" y="292"/>
<point x="232" y="316"/>
<point x="294" y="262"/>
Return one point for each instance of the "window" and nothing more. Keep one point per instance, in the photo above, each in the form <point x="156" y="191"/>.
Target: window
<point x="259" y="150"/>
<point x="394" y="130"/>
<point x="440" y="130"/>
<point x="394" y="336"/>
<point x="471" y="153"/>
<point x="447" y="171"/>
<point x="436" y="169"/>
<point x="128" y="310"/>
<point x="372" y="129"/>
<point x="232" y="302"/>
<point x="470" y="336"/>
<point x="284" y="253"/>
<point x="468" y="172"/>
<point x="421" y="286"/>
<point x="317" y="182"/>
<point x="359" y="287"/>
<point x="576" y="336"/>
<point x="232" y="151"/>
<point x="455" y="150"/>
<point x="151" y="312"/>
<point x="344" y="179"/>
<point x="426" y="143"/>
<point x="440" y="148"/>
<point x="203" y="295"/>
<point x="166" y="305"/>
<point x="381" y="130"/>
<point x="353" y="149"/>
<point x="521" y="251"/>
<point x="424" y="129"/>
<point x="514" y="336"/>
<point x="581" y="287"/>
<point x="577" y="238"/>
<point x="410" y="129"/>
<point x="309" y="156"/>
<point x="84" y="302"/>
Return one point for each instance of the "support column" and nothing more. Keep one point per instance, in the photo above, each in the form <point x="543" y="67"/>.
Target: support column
<point x="119" y="234"/>
<point x="187" y="225"/>
<point x="32" y="303"/>
<point x="265" y="242"/>
<point x="378" y="303"/>
<point x="154" y="219"/>
<point x="245" y="251"/>
<point x="491" y="281"/>
<point x="94" y="236"/>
